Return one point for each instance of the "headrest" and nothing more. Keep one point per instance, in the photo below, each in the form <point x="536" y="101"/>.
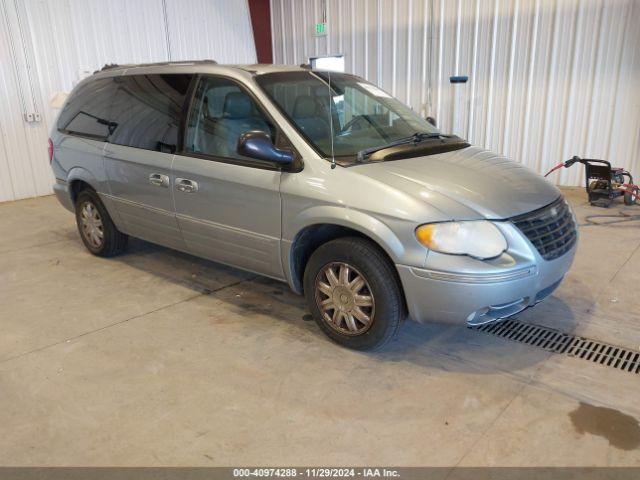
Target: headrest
<point x="237" y="105"/>
<point x="305" y="107"/>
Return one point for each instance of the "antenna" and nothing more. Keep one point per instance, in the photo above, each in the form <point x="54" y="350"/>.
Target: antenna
<point x="333" y="157"/>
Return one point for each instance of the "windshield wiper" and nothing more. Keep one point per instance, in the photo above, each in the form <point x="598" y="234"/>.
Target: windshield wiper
<point x="415" y="139"/>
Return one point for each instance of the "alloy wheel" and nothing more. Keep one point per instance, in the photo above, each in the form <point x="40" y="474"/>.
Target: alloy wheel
<point x="91" y="223"/>
<point x="344" y="298"/>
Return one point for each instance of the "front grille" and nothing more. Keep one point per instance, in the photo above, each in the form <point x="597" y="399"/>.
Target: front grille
<point x="550" y="229"/>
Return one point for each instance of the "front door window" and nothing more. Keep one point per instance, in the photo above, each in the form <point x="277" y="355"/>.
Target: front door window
<point x="221" y="112"/>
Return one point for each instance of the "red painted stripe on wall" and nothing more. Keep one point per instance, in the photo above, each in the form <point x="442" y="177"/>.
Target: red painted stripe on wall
<point x="260" y="11"/>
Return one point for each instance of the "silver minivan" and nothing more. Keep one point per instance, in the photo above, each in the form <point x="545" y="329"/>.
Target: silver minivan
<point x="318" y="179"/>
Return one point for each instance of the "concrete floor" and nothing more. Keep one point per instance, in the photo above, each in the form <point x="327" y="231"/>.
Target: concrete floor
<point x="159" y="358"/>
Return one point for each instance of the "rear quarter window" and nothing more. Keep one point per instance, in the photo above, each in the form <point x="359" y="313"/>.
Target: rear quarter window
<point x="86" y="112"/>
<point x="141" y="111"/>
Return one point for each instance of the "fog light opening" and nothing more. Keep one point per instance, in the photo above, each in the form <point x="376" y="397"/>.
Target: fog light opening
<point x="497" y="312"/>
<point x="476" y="318"/>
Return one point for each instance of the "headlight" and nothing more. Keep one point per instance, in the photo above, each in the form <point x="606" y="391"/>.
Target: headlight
<point x="479" y="239"/>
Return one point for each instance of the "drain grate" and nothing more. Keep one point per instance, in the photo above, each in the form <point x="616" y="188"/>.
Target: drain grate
<point x="559" y="342"/>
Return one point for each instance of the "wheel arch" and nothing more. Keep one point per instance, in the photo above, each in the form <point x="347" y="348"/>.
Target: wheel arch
<point x="78" y="179"/>
<point x="315" y="229"/>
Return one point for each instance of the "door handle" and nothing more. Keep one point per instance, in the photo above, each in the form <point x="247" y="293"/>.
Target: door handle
<point x="186" y="185"/>
<point x="159" y="180"/>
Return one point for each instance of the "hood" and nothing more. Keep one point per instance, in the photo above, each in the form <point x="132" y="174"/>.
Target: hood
<point x="466" y="184"/>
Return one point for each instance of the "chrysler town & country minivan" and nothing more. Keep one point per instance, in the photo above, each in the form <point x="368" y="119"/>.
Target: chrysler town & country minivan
<point x="318" y="179"/>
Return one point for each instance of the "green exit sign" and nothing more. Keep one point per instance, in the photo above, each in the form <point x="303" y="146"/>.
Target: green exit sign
<point x="320" y="30"/>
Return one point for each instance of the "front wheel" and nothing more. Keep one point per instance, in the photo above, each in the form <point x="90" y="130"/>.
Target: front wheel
<point x="354" y="294"/>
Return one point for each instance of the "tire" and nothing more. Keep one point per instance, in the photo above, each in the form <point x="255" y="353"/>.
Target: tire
<point x="630" y="199"/>
<point x="97" y="230"/>
<point x="378" y="298"/>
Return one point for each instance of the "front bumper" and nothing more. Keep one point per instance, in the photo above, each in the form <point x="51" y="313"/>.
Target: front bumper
<point x="466" y="294"/>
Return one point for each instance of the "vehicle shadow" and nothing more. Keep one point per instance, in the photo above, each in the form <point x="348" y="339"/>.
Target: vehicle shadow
<point x="445" y="347"/>
<point x="463" y="349"/>
<point x="180" y="268"/>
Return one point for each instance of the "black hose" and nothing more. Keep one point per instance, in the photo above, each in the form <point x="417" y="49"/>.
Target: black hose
<point x="622" y="217"/>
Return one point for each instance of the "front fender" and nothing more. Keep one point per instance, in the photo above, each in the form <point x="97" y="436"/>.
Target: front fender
<point x="354" y="219"/>
<point x="402" y="247"/>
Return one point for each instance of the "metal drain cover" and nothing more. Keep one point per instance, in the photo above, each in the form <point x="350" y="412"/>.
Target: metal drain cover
<point x="563" y="343"/>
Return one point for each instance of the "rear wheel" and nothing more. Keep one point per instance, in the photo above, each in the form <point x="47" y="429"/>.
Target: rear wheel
<point x="97" y="230"/>
<point x="353" y="293"/>
<point x="631" y="198"/>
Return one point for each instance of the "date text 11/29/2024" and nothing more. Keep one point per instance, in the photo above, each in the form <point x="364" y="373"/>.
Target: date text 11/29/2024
<point x="318" y="472"/>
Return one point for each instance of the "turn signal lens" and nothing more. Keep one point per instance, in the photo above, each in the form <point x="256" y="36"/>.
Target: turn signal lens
<point x="479" y="239"/>
<point x="424" y="234"/>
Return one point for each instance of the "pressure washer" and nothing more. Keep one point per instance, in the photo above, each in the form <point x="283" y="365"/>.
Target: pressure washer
<point x="603" y="182"/>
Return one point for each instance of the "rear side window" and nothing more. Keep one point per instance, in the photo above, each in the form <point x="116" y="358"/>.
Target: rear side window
<point x="146" y="111"/>
<point x="86" y="112"/>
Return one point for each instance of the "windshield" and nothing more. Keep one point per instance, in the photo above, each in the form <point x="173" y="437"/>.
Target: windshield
<point x="341" y="114"/>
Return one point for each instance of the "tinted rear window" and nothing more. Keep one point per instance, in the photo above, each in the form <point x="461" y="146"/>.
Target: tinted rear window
<point x="146" y="111"/>
<point x="141" y="111"/>
<point x="87" y="110"/>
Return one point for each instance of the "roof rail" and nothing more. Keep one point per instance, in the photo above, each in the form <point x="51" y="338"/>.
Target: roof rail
<point x="110" y="66"/>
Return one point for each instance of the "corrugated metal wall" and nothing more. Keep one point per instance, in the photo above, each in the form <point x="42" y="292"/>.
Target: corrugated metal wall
<point x="547" y="79"/>
<point x="45" y="45"/>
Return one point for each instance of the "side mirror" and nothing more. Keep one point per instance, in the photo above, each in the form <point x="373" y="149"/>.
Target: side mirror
<point x="257" y="144"/>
